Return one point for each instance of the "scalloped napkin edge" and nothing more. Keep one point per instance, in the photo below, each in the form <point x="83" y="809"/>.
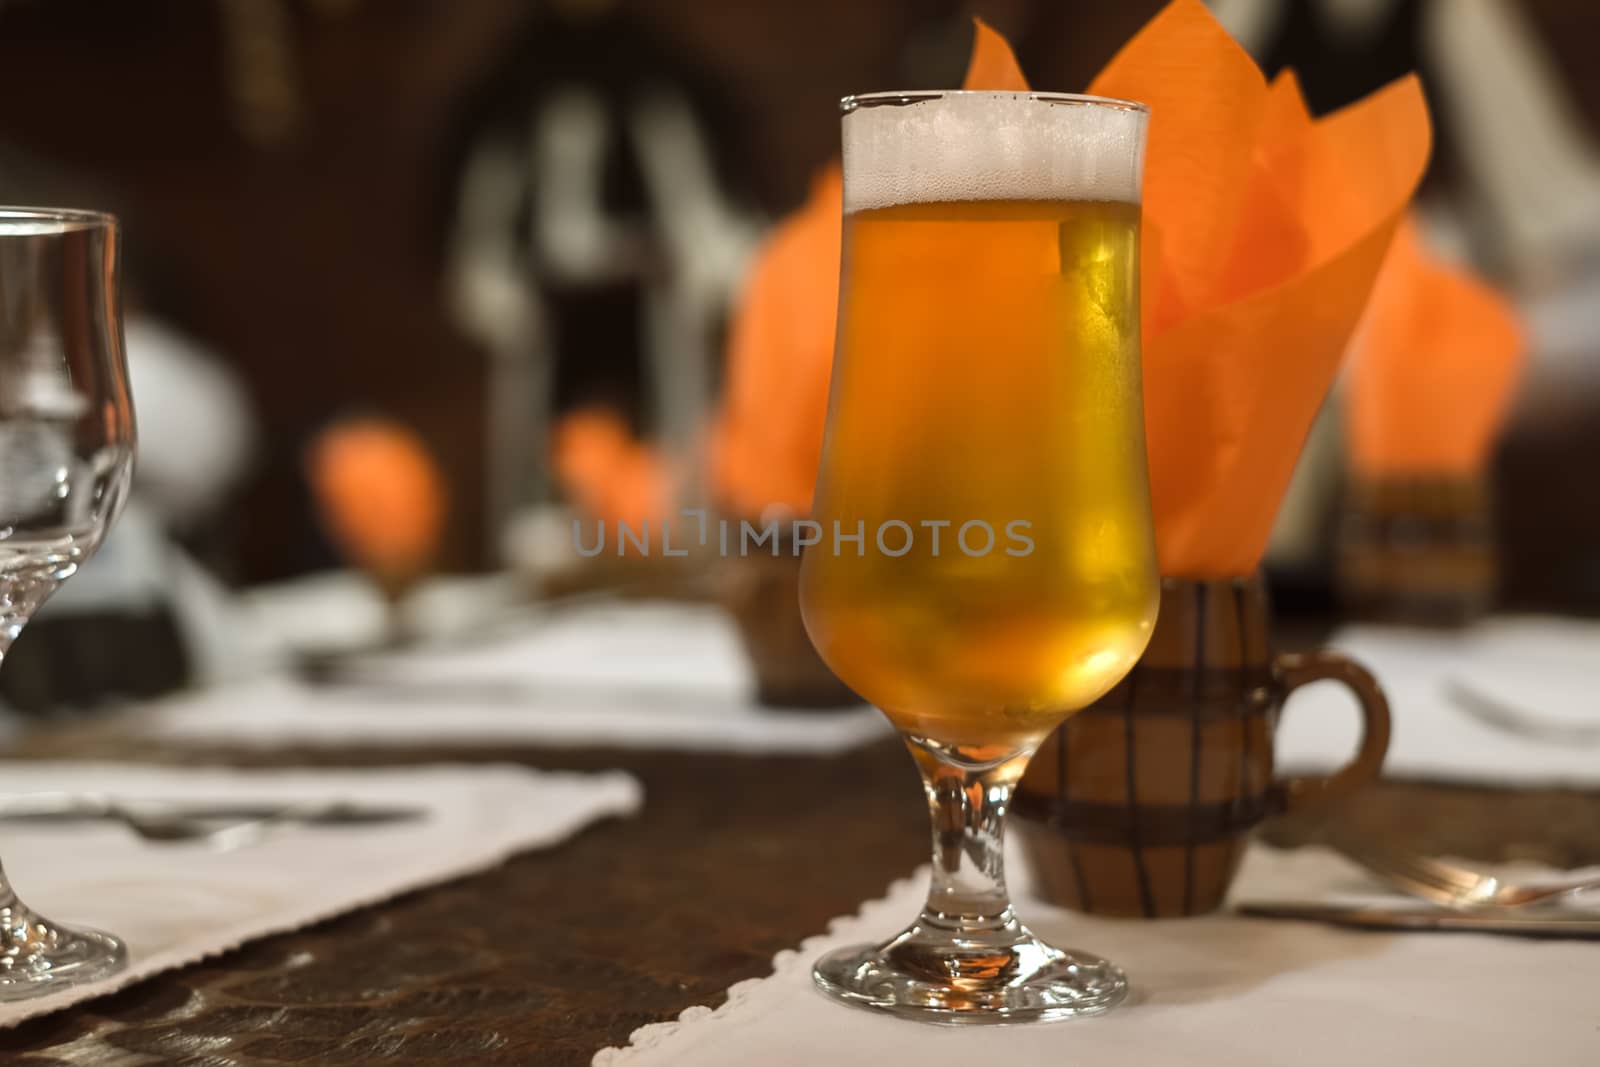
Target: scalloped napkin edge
<point x="552" y="807"/>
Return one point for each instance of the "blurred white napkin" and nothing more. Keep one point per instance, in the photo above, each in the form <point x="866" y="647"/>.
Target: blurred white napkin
<point x="1216" y="991"/>
<point x="630" y="675"/>
<point x="173" y="904"/>
<point x="1548" y="668"/>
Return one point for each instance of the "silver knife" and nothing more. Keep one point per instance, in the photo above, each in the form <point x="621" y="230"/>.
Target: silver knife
<point x="1510" y="922"/>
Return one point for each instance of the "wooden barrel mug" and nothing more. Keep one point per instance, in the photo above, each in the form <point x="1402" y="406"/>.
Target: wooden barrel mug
<point x="1142" y="803"/>
<point x="761" y="593"/>
<point x="1418" y="549"/>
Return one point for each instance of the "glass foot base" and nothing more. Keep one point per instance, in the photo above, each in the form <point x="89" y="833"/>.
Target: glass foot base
<point x="1002" y="976"/>
<point x="38" y="956"/>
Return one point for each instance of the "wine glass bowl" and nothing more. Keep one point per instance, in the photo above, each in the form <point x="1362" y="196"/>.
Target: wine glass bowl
<point x="67" y="445"/>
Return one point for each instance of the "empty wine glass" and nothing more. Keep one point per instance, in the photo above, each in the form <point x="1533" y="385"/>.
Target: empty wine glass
<point x="66" y="458"/>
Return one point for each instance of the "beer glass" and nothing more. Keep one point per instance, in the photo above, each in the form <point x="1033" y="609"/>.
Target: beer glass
<point x="986" y="564"/>
<point x="66" y="458"/>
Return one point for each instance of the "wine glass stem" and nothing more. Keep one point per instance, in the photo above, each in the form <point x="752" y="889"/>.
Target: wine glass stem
<point x="967" y="959"/>
<point x="967" y="806"/>
<point x="20" y="596"/>
<point x="8" y="896"/>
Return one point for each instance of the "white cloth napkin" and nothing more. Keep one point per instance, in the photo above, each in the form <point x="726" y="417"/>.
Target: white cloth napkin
<point x="174" y="904"/>
<point x="635" y="675"/>
<point x="1218" y="991"/>
<point x="1549" y="667"/>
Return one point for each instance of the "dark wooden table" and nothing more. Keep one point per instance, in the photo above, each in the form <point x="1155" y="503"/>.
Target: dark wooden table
<point x="565" y="951"/>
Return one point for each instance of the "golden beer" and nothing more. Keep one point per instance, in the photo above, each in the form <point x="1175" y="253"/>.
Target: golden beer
<point x="986" y="402"/>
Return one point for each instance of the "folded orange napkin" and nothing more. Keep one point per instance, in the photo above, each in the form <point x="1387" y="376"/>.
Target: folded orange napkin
<point x="767" y="439"/>
<point x="1263" y="232"/>
<point x="380" y="496"/>
<point x="1431" y="369"/>
<point x="606" y="473"/>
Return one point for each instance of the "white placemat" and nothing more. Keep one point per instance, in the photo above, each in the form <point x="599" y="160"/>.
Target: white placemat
<point x="1217" y="991"/>
<point x="174" y="904"/>
<point x="633" y="675"/>
<point x="1548" y="666"/>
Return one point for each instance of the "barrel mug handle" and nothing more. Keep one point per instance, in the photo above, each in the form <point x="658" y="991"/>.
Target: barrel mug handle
<point x="1291" y="670"/>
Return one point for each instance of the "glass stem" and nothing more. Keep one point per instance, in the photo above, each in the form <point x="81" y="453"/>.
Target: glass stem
<point x="967" y="804"/>
<point x="10" y="908"/>
<point x="20" y="596"/>
<point x="967" y="958"/>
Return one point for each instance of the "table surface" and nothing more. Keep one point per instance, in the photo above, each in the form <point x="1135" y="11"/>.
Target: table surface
<point x="565" y="951"/>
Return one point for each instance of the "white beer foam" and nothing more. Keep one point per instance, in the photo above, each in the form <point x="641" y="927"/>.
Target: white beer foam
<point x="991" y="146"/>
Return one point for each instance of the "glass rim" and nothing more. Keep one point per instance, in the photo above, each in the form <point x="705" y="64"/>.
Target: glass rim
<point x="74" y="217"/>
<point x="902" y="97"/>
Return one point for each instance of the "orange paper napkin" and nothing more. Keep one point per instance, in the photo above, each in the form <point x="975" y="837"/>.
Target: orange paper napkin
<point x="767" y="440"/>
<point x="380" y="495"/>
<point x="1263" y="231"/>
<point x="1432" y="367"/>
<point x="607" y="473"/>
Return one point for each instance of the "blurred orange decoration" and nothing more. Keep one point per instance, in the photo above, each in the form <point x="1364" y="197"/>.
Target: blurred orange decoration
<point x="381" y="497"/>
<point x="1263" y="232"/>
<point x="768" y="440"/>
<point x="1432" y="367"/>
<point x="606" y="473"/>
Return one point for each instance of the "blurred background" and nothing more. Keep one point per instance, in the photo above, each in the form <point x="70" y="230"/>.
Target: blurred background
<point x="475" y="218"/>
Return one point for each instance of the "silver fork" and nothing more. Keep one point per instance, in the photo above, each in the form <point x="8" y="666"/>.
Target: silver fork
<point x="151" y="823"/>
<point x="1455" y="886"/>
<point x="173" y="825"/>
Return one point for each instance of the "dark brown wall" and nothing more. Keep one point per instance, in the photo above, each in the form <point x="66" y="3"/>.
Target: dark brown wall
<point x="306" y="263"/>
